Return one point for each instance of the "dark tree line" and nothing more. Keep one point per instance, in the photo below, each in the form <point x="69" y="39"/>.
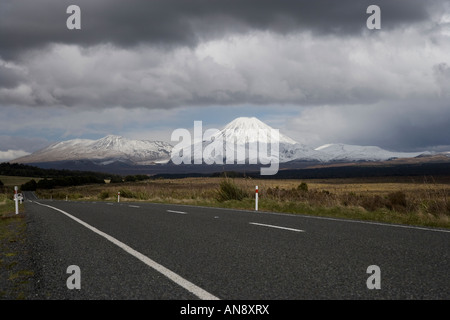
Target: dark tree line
<point x="69" y="181"/>
<point x="51" y="178"/>
<point x="24" y="170"/>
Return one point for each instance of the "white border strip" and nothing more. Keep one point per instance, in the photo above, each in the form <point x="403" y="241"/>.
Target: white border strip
<point x="278" y="227"/>
<point x="180" y="212"/>
<point x="199" y="292"/>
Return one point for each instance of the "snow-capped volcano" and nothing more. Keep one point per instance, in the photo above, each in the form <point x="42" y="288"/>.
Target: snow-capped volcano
<point x="257" y="139"/>
<point x="246" y="129"/>
<point x="103" y="151"/>
<point x="289" y="149"/>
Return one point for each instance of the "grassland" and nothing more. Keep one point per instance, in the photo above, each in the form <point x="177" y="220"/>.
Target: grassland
<point x="416" y="201"/>
<point x="14" y="276"/>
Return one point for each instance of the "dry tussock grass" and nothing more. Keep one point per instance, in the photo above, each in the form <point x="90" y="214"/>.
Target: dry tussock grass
<point x="425" y="200"/>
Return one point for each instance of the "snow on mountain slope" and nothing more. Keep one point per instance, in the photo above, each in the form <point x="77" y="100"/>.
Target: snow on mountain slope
<point x="345" y="152"/>
<point x="138" y="151"/>
<point x="103" y="151"/>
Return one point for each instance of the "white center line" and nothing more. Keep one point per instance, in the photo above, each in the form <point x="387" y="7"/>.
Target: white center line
<point x="199" y="292"/>
<point x="278" y="227"/>
<point x="180" y="212"/>
<point x="132" y="206"/>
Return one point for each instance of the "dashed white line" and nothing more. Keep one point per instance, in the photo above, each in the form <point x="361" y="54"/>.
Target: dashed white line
<point x="199" y="292"/>
<point x="174" y="211"/>
<point x="278" y="227"/>
<point x="132" y="206"/>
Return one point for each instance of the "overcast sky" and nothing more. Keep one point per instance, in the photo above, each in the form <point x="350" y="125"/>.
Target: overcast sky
<point x="144" y="68"/>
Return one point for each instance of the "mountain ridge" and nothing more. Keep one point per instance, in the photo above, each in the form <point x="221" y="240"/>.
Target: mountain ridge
<point x="117" y="149"/>
<point x="105" y="150"/>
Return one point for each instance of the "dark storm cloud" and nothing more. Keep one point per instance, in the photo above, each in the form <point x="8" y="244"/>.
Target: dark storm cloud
<point x="28" y="24"/>
<point x="386" y="87"/>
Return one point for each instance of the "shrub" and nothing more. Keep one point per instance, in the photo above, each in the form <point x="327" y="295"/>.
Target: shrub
<point x="116" y="179"/>
<point x="228" y="190"/>
<point x="126" y="193"/>
<point x="303" y="187"/>
<point x="29" y="186"/>
<point x="130" y="179"/>
<point x="103" y="195"/>
<point x="396" y="201"/>
<point x="373" y="203"/>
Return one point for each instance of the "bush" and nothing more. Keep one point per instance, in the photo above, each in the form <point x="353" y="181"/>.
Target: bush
<point x="373" y="203"/>
<point x="130" y="179"/>
<point x="29" y="186"/>
<point x="228" y="190"/>
<point x="126" y="193"/>
<point x="396" y="201"/>
<point x="103" y="195"/>
<point x="116" y="179"/>
<point x="303" y="187"/>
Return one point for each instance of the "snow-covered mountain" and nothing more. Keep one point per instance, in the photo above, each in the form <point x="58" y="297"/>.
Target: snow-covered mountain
<point x="246" y="129"/>
<point x="243" y="132"/>
<point x="345" y="152"/>
<point x="251" y="134"/>
<point x="103" y="151"/>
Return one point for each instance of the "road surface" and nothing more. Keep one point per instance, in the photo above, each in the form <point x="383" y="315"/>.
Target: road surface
<point x="160" y="251"/>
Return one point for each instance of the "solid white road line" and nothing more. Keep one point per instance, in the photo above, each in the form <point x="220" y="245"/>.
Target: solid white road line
<point x="173" y="211"/>
<point x="199" y="292"/>
<point x="278" y="227"/>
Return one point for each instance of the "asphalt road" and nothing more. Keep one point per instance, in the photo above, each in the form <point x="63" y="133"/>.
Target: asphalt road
<point x="154" y="251"/>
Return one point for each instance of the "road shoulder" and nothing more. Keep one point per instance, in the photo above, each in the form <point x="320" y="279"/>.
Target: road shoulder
<point x="16" y="268"/>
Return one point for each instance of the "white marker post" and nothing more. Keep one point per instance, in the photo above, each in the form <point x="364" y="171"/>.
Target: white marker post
<point x="16" y="199"/>
<point x="118" y="196"/>
<point x="256" y="198"/>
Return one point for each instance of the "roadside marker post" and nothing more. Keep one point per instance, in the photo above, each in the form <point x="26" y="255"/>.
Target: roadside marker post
<point x="118" y="196"/>
<point x="256" y="198"/>
<point x="16" y="199"/>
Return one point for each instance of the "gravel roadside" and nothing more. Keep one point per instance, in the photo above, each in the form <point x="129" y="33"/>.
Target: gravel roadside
<point x="16" y="266"/>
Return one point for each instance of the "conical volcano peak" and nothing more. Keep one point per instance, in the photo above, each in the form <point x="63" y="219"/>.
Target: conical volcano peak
<point x="247" y="123"/>
<point x="248" y="127"/>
